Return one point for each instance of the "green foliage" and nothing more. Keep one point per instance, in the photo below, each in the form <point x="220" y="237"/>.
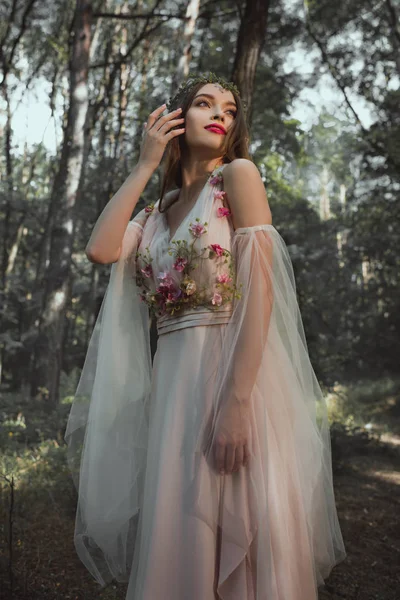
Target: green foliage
<point x="370" y="404"/>
<point x="345" y="258"/>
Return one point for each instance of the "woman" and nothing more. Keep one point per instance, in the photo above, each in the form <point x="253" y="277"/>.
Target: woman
<point x="207" y="474"/>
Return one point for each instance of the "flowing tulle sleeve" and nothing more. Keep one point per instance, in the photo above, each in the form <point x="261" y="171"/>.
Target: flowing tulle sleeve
<point x="107" y="427"/>
<point x="268" y="410"/>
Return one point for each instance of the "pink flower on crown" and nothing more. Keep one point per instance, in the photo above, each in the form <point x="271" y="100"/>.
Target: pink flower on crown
<point x="219" y="195"/>
<point x="217" y="299"/>
<point x="224" y="278"/>
<point x="197" y="229"/>
<point x="180" y="263"/>
<point x="147" y="271"/>
<point x="219" y="251"/>
<point x="223" y="212"/>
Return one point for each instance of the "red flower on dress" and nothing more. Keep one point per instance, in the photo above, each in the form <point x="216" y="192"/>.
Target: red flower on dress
<point x="223" y="212"/>
<point x="147" y="271"/>
<point x="219" y="251"/>
<point x="224" y="278"/>
<point x="180" y="263"/>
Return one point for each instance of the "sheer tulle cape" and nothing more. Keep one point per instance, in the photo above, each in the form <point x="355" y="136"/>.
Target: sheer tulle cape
<point x="265" y="404"/>
<point x="107" y="428"/>
<point x="268" y="408"/>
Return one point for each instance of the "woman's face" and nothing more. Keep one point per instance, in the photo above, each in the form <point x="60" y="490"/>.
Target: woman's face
<point x="211" y="106"/>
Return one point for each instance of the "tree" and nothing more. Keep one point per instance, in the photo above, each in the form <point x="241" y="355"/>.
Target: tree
<point x="48" y="348"/>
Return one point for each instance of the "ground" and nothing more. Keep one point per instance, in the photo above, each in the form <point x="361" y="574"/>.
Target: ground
<point x="367" y="484"/>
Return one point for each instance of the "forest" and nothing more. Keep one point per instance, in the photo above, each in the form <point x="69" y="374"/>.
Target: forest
<point x="321" y="80"/>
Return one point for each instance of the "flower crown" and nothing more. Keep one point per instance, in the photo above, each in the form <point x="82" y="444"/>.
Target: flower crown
<point x="194" y="79"/>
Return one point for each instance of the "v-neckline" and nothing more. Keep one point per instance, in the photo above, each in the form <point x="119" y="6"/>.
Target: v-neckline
<point x="172" y="237"/>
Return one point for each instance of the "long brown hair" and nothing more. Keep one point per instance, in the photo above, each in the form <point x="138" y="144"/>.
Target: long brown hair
<point x="236" y="143"/>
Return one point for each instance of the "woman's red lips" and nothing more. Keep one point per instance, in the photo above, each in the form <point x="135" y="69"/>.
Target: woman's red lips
<point x="216" y="129"/>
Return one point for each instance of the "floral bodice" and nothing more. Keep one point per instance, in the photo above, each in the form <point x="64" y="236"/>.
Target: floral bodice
<point x="194" y="270"/>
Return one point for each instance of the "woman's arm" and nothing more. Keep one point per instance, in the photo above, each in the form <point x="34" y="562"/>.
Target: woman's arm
<point x="249" y="205"/>
<point x="104" y="245"/>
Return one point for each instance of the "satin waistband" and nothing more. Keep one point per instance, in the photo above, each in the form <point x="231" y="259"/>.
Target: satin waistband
<point x="191" y="318"/>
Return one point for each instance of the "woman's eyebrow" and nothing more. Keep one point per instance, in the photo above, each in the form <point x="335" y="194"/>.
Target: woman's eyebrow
<point x="213" y="97"/>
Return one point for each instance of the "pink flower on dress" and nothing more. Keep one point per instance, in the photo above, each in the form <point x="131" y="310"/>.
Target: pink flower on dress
<point x="219" y="251"/>
<point x="223" y="212"/>
<point x="215" y="179"/>
<point x="149" y="208"/>
<point x="219" y="195"/>
<point x="172" y="297"/>
<point x="166" y="278"/>
<point x="147" y="271"/>
<point x="167" y="285"/>
<point x="224" y="278"/>
<point x="180" y="263"/>
<point x="217" y="299"/>
<point x="197" y="229"/>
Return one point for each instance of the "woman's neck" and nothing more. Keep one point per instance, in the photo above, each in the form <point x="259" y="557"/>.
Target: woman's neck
<point x="194" y="177"/>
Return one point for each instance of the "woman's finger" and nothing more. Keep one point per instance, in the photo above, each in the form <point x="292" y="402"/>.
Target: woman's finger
<point x="220" y="457"/>
<point x="165" y="118"/>
<point x="174" y="133"/>
<point x="239" y="456"/>
<point x="168" y="125"/>
<point x="246" y="455"/>
<point x="230" y="458"/>
<point x="155" y="114"/>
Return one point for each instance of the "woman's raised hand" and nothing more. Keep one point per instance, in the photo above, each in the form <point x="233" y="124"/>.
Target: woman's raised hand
<point x="157" y="133"/>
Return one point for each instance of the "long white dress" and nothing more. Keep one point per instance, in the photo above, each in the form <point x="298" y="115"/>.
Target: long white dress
<point x="231" y="358"/>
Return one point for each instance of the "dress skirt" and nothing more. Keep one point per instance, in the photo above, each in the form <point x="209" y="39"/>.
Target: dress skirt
<point x="231" y="368"/>
<point x="179" y="553"/>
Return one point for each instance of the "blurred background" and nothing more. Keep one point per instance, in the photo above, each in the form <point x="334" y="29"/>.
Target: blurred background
<point x="78" y="79"/>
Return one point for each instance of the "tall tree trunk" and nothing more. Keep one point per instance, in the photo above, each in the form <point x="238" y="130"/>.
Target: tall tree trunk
<point x="143" y="109"/>
<point x="394" y="31"/>
<point x="251" y="38"/>
<point x="324" y="200"/>
<point x="9" y="188"/>
<point x="48" y="348"/>
<point x="182" y="71"/>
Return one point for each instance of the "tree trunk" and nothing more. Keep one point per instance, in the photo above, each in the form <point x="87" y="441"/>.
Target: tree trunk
<point x="48" y="348"/>
<point x="182" y="71"/>
<point x="250" y="41"/>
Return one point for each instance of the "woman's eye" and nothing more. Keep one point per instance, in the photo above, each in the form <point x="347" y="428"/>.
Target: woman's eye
<point x="233" y="112"/>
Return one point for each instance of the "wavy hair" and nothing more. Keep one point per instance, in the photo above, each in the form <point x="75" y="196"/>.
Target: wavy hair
<point x="236" y="142"/>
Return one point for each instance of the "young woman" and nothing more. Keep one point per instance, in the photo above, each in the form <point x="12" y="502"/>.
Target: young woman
<point x="207" y="474"/>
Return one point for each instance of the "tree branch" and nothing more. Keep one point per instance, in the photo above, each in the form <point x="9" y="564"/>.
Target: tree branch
<point x="135" y="43"/>
<point x="8" y="61"/>
<point x="334" y="72"/>
<point x="393" y="20"/>
<point x="132" y="16"/>
<point x="165" y="16"/>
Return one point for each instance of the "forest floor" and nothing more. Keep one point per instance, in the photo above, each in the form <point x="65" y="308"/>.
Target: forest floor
<point x="367" y="485"/>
